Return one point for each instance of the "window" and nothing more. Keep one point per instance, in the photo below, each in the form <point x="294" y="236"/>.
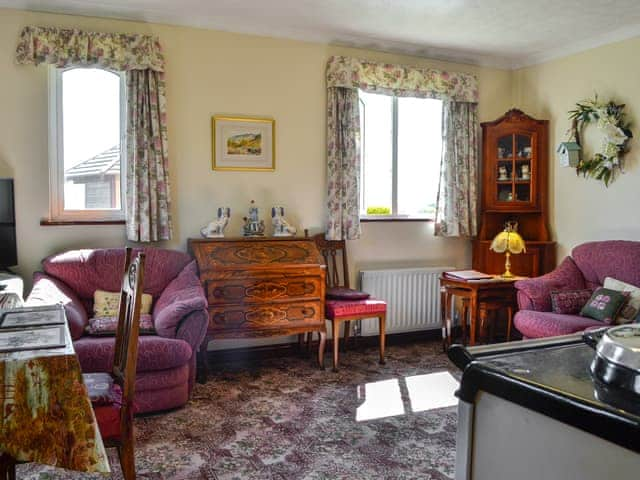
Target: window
<point x="86" y="146"/>
<point x="401" y="149"/>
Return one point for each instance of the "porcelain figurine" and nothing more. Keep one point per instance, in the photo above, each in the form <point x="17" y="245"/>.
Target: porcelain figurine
<point x="281" y="228"/>
<point x="502" y="173"/>
<point x="216" y="228"/>
<point x="524" y="172"/>
<point x="253" y="226"/>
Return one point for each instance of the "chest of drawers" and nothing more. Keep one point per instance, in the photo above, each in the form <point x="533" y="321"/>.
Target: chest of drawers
<point x="260" y="287"/>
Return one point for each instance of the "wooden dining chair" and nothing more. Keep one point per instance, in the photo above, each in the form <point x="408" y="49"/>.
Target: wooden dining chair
<point x="112" y="393"/>
<point x="342" y="304"/>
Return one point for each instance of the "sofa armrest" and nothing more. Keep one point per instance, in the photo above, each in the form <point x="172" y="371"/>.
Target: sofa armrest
<point x="48" y="290"/>
<point x="535" y="293"/>
<point x="183" y="296"/>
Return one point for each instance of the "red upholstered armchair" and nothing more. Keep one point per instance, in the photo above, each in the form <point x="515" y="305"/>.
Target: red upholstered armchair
<point x="167" y="359"/>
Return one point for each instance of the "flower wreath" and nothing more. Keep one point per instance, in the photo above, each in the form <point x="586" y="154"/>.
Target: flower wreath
<point x="610" y="119"/>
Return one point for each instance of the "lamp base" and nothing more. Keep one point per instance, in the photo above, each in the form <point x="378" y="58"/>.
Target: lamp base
<point x="507" y="266"/>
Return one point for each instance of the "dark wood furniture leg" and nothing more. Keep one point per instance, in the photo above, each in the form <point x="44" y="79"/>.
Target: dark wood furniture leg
<point x="321" y="348"/>
<point x="335" y="332"/>
<point x="382" y="326"/>
<point x="509" y="322"/>
<point x="7" y="467"/>
<point x="443" y="316"/>
<point x="473" y="319"/>
<point x="202" y="370"/>
<point x="463" y="319"/>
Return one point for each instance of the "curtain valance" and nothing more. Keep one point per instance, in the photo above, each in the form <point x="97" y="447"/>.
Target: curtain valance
<point x="71" y="47"/>
<point x="401" y="80"/>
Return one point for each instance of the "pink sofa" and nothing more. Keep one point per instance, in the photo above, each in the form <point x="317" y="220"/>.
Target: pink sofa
<point x="166" y="361"/>
<point x="587" y="267"/>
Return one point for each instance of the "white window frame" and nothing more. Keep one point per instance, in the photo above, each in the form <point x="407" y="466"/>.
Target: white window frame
<point x="394" y="171"/>
<point x="57" y="211"/>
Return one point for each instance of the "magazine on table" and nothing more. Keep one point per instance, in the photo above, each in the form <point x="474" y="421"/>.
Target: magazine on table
<point x="32" y="317"/>
<point x="469" y="275"/>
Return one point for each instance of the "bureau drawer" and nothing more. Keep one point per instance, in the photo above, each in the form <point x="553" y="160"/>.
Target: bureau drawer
<point x="262" y="290"/>
<point x="265" y="317"/>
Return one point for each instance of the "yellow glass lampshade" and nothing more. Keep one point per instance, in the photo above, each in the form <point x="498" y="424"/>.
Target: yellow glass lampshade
<point x="508" y="241"/>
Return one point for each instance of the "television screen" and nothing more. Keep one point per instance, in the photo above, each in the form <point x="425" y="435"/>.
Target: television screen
<point x="8" y="253"/>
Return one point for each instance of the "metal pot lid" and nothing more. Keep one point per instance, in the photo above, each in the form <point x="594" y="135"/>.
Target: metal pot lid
<point x="621" y="345"/>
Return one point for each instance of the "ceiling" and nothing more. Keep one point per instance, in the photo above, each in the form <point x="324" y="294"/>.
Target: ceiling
<point x="500" y="33"/>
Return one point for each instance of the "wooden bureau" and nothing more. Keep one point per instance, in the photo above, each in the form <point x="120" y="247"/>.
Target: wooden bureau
<point x="261" y="287"/>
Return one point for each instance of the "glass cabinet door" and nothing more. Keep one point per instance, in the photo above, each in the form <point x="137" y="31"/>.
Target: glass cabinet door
<point x="513" y="168"/>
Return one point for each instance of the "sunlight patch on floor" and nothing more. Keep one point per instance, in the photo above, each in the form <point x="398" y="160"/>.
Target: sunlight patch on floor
<point x="431" y="391"/>
<point x="425" y="392"/>
<point x="381" y="399"/>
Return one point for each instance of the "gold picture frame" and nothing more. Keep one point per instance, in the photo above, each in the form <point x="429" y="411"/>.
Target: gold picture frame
<point x="243" y="144"/>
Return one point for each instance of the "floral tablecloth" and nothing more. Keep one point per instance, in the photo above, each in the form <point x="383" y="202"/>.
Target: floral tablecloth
<point x="46" y="414"/>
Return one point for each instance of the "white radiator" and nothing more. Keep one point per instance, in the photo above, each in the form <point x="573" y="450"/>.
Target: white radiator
<point x="412" y="296"/>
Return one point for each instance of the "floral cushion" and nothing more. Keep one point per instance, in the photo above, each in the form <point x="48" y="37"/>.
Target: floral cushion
<point x="343" y="293"/>
<point x="106" y="326"/>
<point x="107" y="304"/>
<point x="632" y="308"/>
<point x="569" y="302"/>
<point x="605" y="305"/>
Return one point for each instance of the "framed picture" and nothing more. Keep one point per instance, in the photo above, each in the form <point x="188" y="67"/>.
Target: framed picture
<point x="32" y="338"/>
<point x="243" y="143"/>
<point x="32" y="317"/>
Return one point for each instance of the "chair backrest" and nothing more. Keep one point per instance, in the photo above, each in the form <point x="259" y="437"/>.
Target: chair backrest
<point x="335" y="258"/>
<point x="126" y="346"/>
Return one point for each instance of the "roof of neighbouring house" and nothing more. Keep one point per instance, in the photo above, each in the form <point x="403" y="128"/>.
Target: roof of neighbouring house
<point x="105" y="163"/>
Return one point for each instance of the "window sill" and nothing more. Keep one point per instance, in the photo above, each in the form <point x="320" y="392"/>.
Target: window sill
<point x="395" y="219"/>
<point x="56" y="223"/>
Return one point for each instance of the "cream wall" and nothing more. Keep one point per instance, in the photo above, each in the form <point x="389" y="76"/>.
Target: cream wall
<point x="211" y="72"/>
<point x="583" y="210"/>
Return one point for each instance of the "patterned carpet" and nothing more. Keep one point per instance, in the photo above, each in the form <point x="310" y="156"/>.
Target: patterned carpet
<point x="286" y="419"/>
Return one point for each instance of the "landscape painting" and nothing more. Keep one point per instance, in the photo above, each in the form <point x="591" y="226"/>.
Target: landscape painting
<point x="243" y="143"/>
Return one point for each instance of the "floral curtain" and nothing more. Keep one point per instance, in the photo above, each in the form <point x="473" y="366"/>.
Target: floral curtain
<point x="140" y="56"/>
<point x="74" y="48"/>
<point x="401" y="80"/>
<point x="343" y="164"/>
<point x="148" y="215"/>
<point x="457" y="204"/>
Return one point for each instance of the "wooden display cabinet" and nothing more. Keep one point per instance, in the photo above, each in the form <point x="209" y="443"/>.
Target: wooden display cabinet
<point x="515" y="187"/>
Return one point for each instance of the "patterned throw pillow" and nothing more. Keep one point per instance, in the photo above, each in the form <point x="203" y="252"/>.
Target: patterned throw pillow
<point x="106" y="326"/>
<point x="632" y="308"/>
<point x="569" y="302"/>
<point x="605" y="305"/>
<point x="342" y="293"/>
<point x="100" y="388"/>
<point x="106" y="304"/>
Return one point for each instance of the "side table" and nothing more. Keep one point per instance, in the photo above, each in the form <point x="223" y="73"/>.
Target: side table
<point x="476" y="291"/>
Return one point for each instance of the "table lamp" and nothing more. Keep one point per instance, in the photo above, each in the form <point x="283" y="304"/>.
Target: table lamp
<point x="508" y="241"/>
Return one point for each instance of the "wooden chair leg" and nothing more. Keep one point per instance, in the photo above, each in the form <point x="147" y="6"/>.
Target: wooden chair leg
<point x="483" y="323"/>
<point x="127" y="460"/>
<point x="347" y="333"/>
<point x="382" y="320"/>
<point x="7" y="467"/>
<point x="321" y="348"/>
<point x="301" y="338"/>
<point x="509" y="322"/>
<point x="335" y="332"/>
<point x="309" y="341"/>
